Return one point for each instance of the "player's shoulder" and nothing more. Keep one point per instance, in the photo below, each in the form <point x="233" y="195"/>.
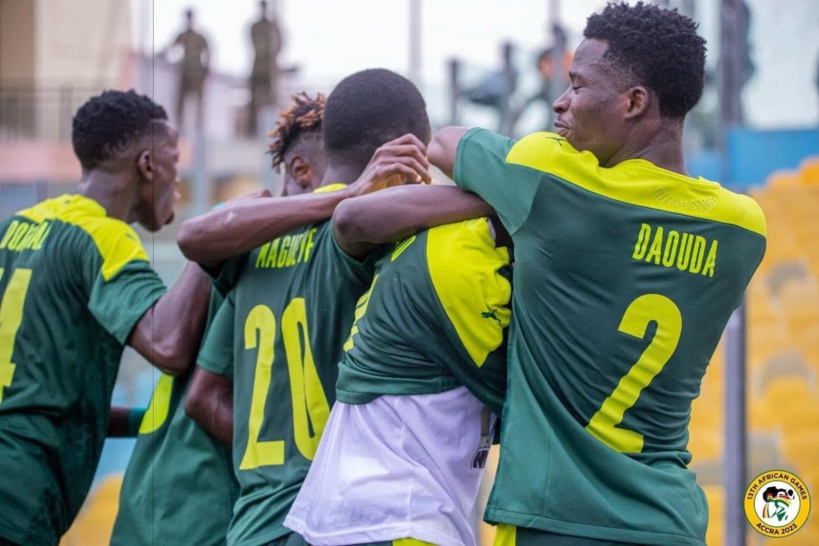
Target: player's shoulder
<point x="462" y="250"/>
<point x="742" y="210"/>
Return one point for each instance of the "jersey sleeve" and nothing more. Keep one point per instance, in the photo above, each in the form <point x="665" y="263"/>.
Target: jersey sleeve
<point x="123" y="285"/>
<point x="216" y="354"/>
<point x="481" y="167"/>
<point x="229" y="274"/>
<point x="363" y="268"/>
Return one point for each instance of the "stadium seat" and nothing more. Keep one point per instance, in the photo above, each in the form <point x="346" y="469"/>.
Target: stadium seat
<point x="784" y="179"/>
<point x="705" y="443"/>
<point x="716" y="514"/>
<point x="767" y="341"/>
<point x="789" y="364"/>
<point x="809" y="171"/>
<point x="95" y="522"/>
<point x="765" y="452"/>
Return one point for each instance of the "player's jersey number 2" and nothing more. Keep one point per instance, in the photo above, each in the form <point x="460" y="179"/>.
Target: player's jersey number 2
<point x="310" y="407"/>
<point x="11" y="315"/>
<point x="639" y="314"/>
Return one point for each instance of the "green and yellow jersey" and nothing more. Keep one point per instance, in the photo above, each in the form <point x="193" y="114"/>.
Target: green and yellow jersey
<point x="625" y="278"/>
<point x="282" y="327"/>
<point x="434" y="318"/>
<point x="179" y="486"/>
<point x="73" y="283"/>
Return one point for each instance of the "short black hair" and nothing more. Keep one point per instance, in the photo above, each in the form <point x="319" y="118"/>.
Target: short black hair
<point x="303" y="118"/>
<point x="109" y="122"/>
<point x="368" y="109"/>
<point x="659" y="46"/>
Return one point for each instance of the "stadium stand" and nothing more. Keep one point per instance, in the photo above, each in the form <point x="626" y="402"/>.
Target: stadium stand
<point x="783" y="357"/>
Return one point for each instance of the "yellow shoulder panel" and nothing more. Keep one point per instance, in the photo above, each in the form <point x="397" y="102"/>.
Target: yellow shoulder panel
<point x="638" y="182"/>
<point x="116" y="241"/>
<point x="464" y="267"/>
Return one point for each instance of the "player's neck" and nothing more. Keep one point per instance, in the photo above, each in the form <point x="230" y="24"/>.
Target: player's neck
<point x="111" y="191"/>
<point x="662" y="148"/>
<point x="340" y="174"/>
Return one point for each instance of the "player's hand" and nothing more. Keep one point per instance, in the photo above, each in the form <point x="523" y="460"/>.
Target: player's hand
<point x="397" y="162"/>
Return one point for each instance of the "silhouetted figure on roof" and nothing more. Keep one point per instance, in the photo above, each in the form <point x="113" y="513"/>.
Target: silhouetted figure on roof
<point x="264" y="78"/>
<point x="193" y="69"/>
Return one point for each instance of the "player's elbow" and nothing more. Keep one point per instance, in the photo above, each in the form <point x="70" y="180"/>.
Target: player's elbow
<point x="191" y="239"/>
<point x="196" y="405"/>
<point x="442" y="148"/>
<point x="169" y="360"/>
<point x="350" y="223"/>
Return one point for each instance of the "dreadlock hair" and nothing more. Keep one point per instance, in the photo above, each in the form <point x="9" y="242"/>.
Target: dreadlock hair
<point x="368" y="109"/>
<point x="302" y="118"/>
<point x="659" y="47"/>
<point x="110" y="122"/>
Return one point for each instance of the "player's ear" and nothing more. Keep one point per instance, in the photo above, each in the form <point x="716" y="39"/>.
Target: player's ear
<point x="145" y="165"/>
<point x="638" y="100"/>
<point x="302" y="171"/>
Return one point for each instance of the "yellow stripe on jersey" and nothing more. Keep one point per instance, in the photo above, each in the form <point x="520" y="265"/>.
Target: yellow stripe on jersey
<point x="505" y="535"/>
<point x="463" y="265"/>
<point x="330" y="187"/>
<point x="638" y="182"/>
<point x="411" y="542"/>
<point x="159" y="407"/>
<point x="116" y="241"/>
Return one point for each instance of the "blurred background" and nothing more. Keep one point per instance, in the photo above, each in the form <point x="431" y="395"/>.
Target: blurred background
<point x="477" y="62"/>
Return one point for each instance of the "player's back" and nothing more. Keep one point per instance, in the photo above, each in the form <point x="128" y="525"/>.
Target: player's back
<point x="294" y="305"/>
<point x="434" y="318"/>
<point x="625" y="279"/>
<point x="65" y="270"/>
<point x="407" y="441"/>
<point x="173" y="457"/>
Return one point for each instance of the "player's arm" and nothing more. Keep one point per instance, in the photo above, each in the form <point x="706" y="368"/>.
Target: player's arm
<point x="236" y="228"/>
<point x="169" y="333"/>
<point x="396" y="213"/>
<point x="444" y="145"/>
<point x="124" y="422"/>
<point x="209" y="402"/>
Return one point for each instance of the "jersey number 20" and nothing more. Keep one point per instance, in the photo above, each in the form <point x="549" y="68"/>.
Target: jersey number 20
<point x="308" y="399"/>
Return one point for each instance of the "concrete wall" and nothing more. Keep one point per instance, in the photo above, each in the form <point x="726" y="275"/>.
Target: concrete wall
<point x="17" y="40"/>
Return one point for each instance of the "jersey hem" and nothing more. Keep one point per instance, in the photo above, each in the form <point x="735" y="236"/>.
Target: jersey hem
<point x="260" y="540"/>
<point x="542" y="523"/>
<point x="384" y="533"/>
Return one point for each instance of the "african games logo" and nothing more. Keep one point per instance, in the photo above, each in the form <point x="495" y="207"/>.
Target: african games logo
<point x="777" y="503"/>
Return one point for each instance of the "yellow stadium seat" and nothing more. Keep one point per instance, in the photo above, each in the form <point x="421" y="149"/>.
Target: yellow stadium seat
<point x="763" y="343"/>
<point x="800" y="448"/>
<point x="716" y="515"/>
<point x="95" y="522"/>
<point x="783" y="179"/>
<point x="809" y="171"/>
<point x="706" y="443"/>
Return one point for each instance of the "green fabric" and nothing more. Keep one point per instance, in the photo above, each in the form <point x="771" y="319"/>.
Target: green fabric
<point x="580" y="270"/>
<point x="134" y="420"/>
<point x="179" y="486"/>
<point x="66" y="352"/>
<point x="405" y="342"/>
<point x="299" y="287"/>
<point x="293" y="539"/>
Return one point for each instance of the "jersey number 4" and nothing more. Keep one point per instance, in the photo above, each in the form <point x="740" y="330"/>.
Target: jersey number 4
<point x="11" y="315"/>
<point x="308" y="399"/>
<point x="641" y="312"/>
